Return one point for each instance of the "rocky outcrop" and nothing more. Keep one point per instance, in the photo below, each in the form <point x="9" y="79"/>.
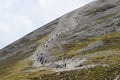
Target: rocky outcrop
<point x="91" y="46"/>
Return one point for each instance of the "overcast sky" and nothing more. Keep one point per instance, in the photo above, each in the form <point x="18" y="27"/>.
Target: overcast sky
<point x="19" y="17"/>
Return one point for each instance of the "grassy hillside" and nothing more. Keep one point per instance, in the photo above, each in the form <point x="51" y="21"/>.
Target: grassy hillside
<point x="91" y="33"/>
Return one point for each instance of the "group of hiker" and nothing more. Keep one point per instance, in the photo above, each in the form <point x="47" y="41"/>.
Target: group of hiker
<point x="41" y="58"/>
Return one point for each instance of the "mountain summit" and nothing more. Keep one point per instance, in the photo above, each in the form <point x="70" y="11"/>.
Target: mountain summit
<point x="80" y="45"/>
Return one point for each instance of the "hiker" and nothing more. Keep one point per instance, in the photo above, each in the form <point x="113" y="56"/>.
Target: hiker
<point x="52" y="39"/>
<point x="38" y="58"/>
<point x="37" y="55"/>
<point x="46" y="45"/>
<point x="41" y="59"/>
<point x="65" y="65"/>
<point x="41" y="62"/>
<point x="46" y="61"/>
<point x="41" y="53"/>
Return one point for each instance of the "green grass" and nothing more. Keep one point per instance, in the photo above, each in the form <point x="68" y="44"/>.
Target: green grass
<point x="13" y="67"/>
<point x="110" y="43"/>
<point x="94" y="73"/>
<point x="19" y="62"/>
<point x="91" y="12"/>
<point x="5" y="65"/>
<point x="105" y="17"/>
<point x="104" y="57"/>
<point x="69" y="50"/>
<point x="16" y="72"/>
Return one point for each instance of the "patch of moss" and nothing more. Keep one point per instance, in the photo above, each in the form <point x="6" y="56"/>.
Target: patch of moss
<point x="91" y="12"/>
<point x="105" y="57"/>
<point x="111" y="41"/>
<point x="69" y="50"/>
<point x="105" y="17"/>
<point x="42" y="38"/>
<point x="17" y="71"/>
<point x="118" y="0"/>
<point x="5" y="65"/>
<point x="27" y="75"/>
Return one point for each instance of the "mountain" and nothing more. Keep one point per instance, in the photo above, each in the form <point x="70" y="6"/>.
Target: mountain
<point x="81" y="45"/>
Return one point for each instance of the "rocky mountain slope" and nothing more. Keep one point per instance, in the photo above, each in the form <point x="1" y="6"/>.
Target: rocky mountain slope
<point x="80" y="45"/>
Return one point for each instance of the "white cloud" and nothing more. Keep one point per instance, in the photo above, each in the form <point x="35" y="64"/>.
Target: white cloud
<point x="19" y="17"/>
<point x="6" y="4"/>
<point x="13" y="27"/>
<point x="52" y="9"/>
